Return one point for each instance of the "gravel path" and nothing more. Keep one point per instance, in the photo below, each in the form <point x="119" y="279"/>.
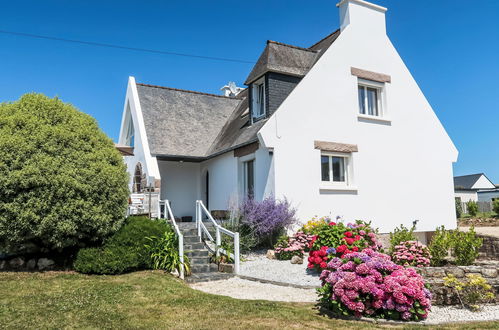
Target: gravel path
<point x="259" y="266"/>
<point x="488" y="231"/>
<point x="244" y="289"/>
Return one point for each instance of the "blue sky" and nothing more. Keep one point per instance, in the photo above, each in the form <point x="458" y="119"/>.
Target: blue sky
<point x="450" y="46"/>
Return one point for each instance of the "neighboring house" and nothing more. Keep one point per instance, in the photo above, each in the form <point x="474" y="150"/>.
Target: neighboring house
<point x="338" y="128"/>
<point x="489" y="195"/>
<point x="467" y="187"/>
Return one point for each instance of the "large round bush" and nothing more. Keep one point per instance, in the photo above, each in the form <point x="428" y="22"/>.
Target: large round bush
<point x="62" y="182"/>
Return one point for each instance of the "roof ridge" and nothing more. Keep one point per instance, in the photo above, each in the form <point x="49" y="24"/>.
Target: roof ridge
<point x="460" y="176"/>
<point x="190" y="91"/>
<point x="318" y="42"/>
<point x="290" y="46"/>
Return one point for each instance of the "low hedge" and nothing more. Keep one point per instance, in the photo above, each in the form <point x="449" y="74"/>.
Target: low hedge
<point x="125" y="251"/>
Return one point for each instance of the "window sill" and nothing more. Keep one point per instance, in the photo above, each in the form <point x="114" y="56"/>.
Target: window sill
<point x="337" y="188"/>
<point x="374" y="118"/>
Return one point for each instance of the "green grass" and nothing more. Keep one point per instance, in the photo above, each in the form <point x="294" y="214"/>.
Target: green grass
<point x="147" y="300"/>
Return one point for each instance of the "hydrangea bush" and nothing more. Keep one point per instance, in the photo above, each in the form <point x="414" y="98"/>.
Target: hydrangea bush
<point x="338" y="239"/>
<point x="411" y="253"/>
<point x="369" y="284"/>
<point x="296" y="245"/>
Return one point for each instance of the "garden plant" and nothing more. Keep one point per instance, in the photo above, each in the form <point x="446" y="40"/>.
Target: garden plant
<point x="401" y="234"/>
<point x="472" y="291"/>
<point x="296" y="245"/>
<point x="63" y="183"/>
<point x="369" y="284"/>
<point x="411" y="253"/>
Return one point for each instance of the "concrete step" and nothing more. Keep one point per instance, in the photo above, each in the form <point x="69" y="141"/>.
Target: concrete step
<point x="191" y="239"/>
<point x="206" y="268"/>
<point x="189" y="232"/>
<point x="197" y="253"/>
<point x="194" y="246"/>
<point x="206" y="277"/>
<point x="200" y="261"/>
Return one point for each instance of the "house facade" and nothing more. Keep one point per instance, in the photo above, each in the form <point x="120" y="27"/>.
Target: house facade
<point x="337" y="128"/>
<point x="469" y="187"/>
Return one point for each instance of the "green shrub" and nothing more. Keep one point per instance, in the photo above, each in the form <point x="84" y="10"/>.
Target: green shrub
<point x="123" y="252"/>
<point x="62" y="182"/>
<point x="472" y="291"/>
<point x="163" y="252"/>
<point x="465" y="246"/>
<point x="401" y="234"/>
<point x="472" y="207"/>
<point x="495" y="206"/>
<point x="459" y="208"/>
<point x="439" y="246"/>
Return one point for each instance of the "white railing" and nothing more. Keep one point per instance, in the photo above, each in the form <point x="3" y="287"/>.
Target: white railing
<point x="169" y="214"/>
<point x="200" y="209"/>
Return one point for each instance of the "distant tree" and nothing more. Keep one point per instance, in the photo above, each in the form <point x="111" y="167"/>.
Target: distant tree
<point x="459" y="208"/>
<point x="62" y="182"/>
<point x="495" y="206"/>
<point x="472" y="207"/>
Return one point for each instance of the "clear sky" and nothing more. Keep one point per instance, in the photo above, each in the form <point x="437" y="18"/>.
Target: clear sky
<point x="450" y="46"/>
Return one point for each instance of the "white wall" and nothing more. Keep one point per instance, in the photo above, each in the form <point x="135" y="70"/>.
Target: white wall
<point x="141" y="149"/>
<point x="466" y="195"/>
<point x="223" y="180"/>
<point x="403" y="170"/>
<point x="181" y="185"/>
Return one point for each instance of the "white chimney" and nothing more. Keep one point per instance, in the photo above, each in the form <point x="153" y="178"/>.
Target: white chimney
<point x="359" y="14"/>
<point x="231" y="89"/>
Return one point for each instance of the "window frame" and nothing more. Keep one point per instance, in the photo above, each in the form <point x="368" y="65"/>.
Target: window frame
<point x="257" y="87"/>
<point x="380" y="104"/>
<point x="347" y="169"/>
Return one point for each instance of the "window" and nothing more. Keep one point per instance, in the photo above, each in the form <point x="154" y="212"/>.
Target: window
<point x="130" y="133"/>
<point x="370" y="102"/>
<point x="334" y="168"/>
<point x="249" y="178"/>
<point x="258" y="96"/>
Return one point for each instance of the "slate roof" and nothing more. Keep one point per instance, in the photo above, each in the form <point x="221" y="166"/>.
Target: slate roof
<point x="466" y="182"/>
<point x="182" y="124"/>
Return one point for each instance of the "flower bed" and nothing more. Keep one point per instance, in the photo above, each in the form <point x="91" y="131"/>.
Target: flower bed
<point x="336" y="239"/>
<point x="369" y="284"/>
<point x="296" y="245"/>
<point x="411" y="253"/>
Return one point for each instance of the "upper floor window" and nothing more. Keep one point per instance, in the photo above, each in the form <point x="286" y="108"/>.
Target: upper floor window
<point x="370" y="99"/>
<point x="258" y="98"/>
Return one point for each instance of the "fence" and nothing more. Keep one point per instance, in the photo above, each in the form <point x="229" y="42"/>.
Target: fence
<point x="483" y="207"/>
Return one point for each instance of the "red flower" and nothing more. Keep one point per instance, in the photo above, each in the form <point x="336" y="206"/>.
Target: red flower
<point x="349" y="241"/>
<point x="318" y="260"/>
<point x="348" y="234"/>
<point x="332" y="223"/>
<point x="322" y="253"/>
<point x="323" y="265"/>
<point x="355" y="249"/>
<point x="341" y="248"/>
<point x="357" y="237"/>
<point x="310" y="265"/>
<point x="313" y="253"/>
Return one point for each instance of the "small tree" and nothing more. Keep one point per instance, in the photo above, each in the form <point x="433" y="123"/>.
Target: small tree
<point x="472" y="207"/>
<point x="459" y="207"/>
<point x="62" y="182"/>
<point x="495" y="206"/>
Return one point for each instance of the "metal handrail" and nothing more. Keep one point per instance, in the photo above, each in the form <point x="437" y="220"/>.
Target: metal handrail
<point x="200" y="209"/>
<point x="177" y="232"/>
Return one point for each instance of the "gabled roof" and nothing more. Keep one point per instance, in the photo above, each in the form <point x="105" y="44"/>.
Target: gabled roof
<point x="183" y="123"/>
<point x="467" y="182"/>
<point x="288" y="59"/>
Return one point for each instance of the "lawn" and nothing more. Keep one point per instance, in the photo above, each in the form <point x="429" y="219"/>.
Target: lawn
<point x="148" y="299"/>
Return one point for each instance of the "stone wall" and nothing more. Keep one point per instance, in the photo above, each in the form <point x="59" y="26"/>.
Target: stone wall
<point x="443" y="295"/>
<point x="26" y="264"/>
<point x="490" y="247"/>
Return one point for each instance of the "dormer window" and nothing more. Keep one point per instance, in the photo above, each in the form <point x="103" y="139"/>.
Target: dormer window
<point x="258" y="97"/>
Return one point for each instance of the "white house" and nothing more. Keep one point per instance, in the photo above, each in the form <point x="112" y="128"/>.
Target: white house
<point x="467" y="187"/>
<point x="337" y="128"/>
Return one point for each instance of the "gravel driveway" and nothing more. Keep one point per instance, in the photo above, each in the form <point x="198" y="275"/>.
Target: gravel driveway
<point x="257" y="265"/>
